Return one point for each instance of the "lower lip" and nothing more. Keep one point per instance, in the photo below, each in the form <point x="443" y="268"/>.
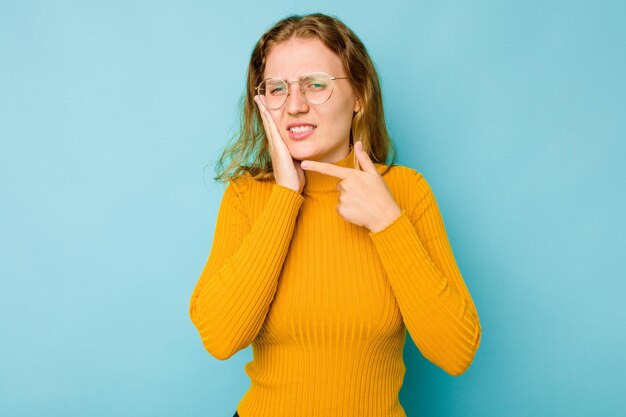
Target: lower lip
<point x="301" y="135"/>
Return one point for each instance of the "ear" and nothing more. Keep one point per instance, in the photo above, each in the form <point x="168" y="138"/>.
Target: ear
<point x="357" y="105"/>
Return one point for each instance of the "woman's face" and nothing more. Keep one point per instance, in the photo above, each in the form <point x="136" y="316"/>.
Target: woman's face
<point x="330" y="122"/>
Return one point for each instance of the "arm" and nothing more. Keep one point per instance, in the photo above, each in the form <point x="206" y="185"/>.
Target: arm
<point x="435" y="304"/>
<point x="233" y="294"/>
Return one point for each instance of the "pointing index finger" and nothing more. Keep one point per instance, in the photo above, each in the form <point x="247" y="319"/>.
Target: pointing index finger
<point x="326" y="168"/>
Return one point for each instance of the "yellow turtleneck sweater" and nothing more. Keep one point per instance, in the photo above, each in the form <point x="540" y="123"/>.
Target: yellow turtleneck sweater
<point x="325" y="303"/>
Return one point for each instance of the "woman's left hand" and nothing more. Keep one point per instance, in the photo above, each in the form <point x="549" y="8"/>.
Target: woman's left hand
<point x="364" y="199"/>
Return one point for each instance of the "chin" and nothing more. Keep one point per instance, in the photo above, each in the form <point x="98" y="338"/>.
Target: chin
<point x="301" y="153"/>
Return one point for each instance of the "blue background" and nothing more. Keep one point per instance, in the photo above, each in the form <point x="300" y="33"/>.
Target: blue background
<point x="110" y="112"/>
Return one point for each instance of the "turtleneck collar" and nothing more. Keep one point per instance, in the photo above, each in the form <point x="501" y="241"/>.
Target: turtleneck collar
<point x="316" y="182"/>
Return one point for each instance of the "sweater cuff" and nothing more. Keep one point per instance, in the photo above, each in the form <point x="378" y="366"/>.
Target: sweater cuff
<point x="286" y="197"/>
<point x="390" y="225"/>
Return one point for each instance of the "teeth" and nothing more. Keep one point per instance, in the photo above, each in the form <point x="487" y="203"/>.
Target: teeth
<point x="300" y="129"/>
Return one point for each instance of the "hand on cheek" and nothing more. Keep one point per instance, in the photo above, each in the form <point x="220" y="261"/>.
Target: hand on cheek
<point x="287" y="172"/>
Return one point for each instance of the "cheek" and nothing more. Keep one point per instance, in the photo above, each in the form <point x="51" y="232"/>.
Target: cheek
<point x="342" y="116"/>
<point x="277" y="116"/>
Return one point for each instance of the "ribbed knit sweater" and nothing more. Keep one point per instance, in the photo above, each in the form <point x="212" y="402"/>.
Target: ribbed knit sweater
<point x="325" y="303"/>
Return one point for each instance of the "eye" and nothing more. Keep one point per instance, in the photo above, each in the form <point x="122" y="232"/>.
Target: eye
<point x="275" y="87"/>
<point x="277" y="90"/>
<point x="316" y="85"/>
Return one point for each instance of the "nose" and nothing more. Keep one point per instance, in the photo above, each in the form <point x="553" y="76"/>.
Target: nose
<point x="296" y="103"/>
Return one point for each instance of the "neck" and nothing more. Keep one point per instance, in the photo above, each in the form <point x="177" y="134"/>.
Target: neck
<point x="316" y="182"/>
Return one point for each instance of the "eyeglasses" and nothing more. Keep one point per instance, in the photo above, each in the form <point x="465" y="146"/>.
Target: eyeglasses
<point x="316" y="88"/>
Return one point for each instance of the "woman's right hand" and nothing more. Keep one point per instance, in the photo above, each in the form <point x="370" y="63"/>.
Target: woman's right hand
<point x="287" y="171"/>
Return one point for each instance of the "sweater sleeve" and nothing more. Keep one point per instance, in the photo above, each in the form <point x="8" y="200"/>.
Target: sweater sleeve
<point x="233" y="294"/>
<point x="436" y="306"/>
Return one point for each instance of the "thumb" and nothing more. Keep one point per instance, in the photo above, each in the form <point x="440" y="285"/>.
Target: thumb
<point x="364" y="159"/>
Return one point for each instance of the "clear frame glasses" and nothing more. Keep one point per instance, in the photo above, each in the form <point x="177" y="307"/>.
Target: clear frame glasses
<point x="316" y="88"/>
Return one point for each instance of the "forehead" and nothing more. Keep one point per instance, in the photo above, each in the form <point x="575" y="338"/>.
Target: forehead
<point x="296" y="57"/>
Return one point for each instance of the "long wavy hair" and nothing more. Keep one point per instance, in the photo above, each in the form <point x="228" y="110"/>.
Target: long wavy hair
<point x="248" y="151"/>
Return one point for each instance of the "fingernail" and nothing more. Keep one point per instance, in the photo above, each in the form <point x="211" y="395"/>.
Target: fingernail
<point x="304" y="164"/>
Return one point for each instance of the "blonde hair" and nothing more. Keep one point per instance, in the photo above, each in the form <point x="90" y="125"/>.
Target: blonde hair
<point x="249" y="150"/>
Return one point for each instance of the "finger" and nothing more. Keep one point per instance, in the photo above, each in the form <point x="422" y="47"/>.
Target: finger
<point x="260" y="105"/>
<point x="269" y="124"/>
<point x="366" y="163"/>
<point x="265" y="121"/>
<point x="274" y="130"/>
<point x="326" y="168"/>
<point x="262" y="109"/>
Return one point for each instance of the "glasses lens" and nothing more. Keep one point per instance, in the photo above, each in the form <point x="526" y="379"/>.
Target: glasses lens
<point x="317" y="87"/>
<point x="273" y="92"/>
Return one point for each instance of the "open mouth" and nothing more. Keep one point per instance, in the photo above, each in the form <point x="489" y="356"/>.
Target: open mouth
<point x="299" y="131"/>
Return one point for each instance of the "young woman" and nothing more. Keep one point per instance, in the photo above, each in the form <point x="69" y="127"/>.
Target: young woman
<point x="324" y="256"/>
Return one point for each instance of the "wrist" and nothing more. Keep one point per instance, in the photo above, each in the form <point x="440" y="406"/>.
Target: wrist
<point x="297" y="188"/>
<point x="382" y="222"/>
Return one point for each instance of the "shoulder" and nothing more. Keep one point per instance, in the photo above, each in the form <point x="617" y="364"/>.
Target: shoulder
<point x="246" y="185"/>
<point x="407" y="184"/>
<point x="249" y="192"/>
<point x="399" y="174"/>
